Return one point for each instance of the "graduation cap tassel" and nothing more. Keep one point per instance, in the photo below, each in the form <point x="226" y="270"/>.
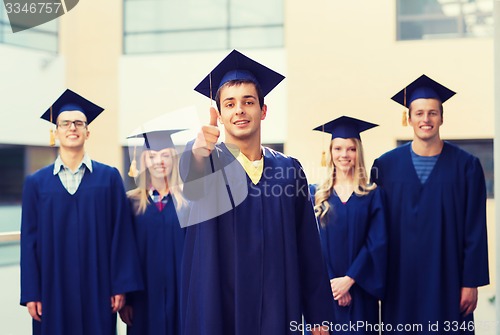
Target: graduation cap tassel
<point x="210" y="80"/>
<point x="323" y="158"/>
<point x="52" y="141"/>
<point x="323" y="154"/>
<point x="404" y="121"/>
<point x="133" y="172"/>
<point x="52" y="138"/>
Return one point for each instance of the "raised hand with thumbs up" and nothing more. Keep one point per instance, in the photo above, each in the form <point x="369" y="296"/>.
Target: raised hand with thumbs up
<point x="207" y="137"/>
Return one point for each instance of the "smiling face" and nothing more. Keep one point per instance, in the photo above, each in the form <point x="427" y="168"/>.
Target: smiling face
<point x="71" y="137"/>
<point x="425" y="116"/>
<point x="240" y="112"/>
<point x="344" y="155"/>
<point x="159" y="163"/>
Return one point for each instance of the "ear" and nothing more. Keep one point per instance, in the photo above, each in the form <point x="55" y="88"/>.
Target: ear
<point x="409" y="119"/>
<point x="87" y="134"/>
<point x="264" y="112"/>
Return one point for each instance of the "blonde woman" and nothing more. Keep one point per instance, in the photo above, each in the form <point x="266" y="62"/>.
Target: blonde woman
<point x="353" y="233"/>
<point x="157" y="202"/>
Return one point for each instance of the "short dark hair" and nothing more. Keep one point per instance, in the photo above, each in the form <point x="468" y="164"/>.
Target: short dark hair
<point x="238" y="82"/>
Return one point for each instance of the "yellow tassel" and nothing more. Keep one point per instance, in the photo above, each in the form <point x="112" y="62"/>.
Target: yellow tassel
<point x="132" y="172"/>
<point x="404" y="121"/>
<point x="323" y="158"/>
<point x="52" y="141"/>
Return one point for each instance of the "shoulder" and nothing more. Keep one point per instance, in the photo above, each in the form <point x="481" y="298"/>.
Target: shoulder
<point x="49" y="169"/>
<point x="280" y="158"/>
<point x="395" y="153"/>
<point x="39" y="178"/>
<point x="312" y="189"/>
<point x="103" y="168"/>
<point x="44" y="172"/>
<point x="460" y="158"/>
<point x="456" y="151"/>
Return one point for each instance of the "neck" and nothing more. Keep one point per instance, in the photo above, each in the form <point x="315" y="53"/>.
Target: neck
<point x="161" y="185"/>
<point x="431" y="147"/>
<point x="342" y="178"/>
<point x="71" y="158"/>
<point x="251" y="148"/>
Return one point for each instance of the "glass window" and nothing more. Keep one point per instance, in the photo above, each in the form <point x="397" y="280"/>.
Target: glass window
<point x="17" y="161"/>
<point x="198" y="25"/>
<point x="426" y="19"/>
<point x="12" y="176"/>
<point x="43" y="37"/>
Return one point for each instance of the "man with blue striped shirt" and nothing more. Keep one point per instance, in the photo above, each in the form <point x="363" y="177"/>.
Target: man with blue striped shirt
<point x="436" y="210"/>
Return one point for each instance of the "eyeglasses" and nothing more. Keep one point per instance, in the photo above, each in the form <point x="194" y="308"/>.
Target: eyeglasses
<point x="65" y="124"/>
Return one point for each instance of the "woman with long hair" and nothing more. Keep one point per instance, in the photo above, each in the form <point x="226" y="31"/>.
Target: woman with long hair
<point x="157" y="203"/>
<point x="352" y="228"/>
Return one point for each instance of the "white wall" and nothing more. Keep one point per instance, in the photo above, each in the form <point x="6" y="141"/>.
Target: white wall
<point x="152" y="85"/>
<point x="30" y="82"/>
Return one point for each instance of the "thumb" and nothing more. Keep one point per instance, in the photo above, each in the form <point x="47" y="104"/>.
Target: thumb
<point x="213" y="117"/>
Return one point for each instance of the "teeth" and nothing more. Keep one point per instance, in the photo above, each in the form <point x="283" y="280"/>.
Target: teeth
<point x="241" y="122"/>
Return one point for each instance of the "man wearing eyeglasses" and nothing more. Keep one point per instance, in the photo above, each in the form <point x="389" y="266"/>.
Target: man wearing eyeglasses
<point x="78" y="252"/>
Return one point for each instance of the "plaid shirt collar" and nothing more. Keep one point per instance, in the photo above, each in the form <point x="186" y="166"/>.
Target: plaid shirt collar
<point x="155" y="196"/>
<point x="59" y="164"/>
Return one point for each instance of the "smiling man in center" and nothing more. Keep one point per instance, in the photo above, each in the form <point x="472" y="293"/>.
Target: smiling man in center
<point x="256" y="268"/>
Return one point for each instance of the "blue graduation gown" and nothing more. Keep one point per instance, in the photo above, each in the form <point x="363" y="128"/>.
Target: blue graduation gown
<point x="258" y="267"/>
<point x="437" y="236"/>
<point x="160" y="240"/>
<point x="354" y="242"/>
<point x="77" y="251"/>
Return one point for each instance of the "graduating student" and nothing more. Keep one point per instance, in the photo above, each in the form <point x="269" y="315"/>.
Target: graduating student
<point x="256" y="268"/>
<point x="78" y="252"/>
<point x="157" y="202"/>
<point x="353" y="231"/>
<point x="436" y="201"/>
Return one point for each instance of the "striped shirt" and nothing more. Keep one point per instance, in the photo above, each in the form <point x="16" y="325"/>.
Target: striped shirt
<point x="423" y="165"/>
<point x="71" y="180"/>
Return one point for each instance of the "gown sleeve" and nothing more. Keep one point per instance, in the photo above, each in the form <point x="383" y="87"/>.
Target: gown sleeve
<point x="125" y="267"/>
<point x="475" y="271"/>
<point x="315" y="284"/>
<point x="370" y="265"/>
<point x="30" y="267"/>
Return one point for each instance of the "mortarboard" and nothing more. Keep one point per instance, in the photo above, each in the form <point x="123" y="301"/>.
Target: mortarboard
<point x="422" y="88"/>
<point x="344" y="127"/>
<point x="237" y="66"/>
<point x="70" y="101"/>
<point x="157" y="139"/>
<point x="153" y="140"/>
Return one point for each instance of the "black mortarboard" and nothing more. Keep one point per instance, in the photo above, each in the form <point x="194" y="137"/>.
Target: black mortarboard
<point x="157" y="139"/>
<point x="423" y="87"/>
<point x="345" y="127"/>
<point x="237" y="66"/>
<point x="71" y="101"/>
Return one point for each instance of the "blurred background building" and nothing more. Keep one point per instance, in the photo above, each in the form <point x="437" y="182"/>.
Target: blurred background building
<point x="142" y="58"/>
